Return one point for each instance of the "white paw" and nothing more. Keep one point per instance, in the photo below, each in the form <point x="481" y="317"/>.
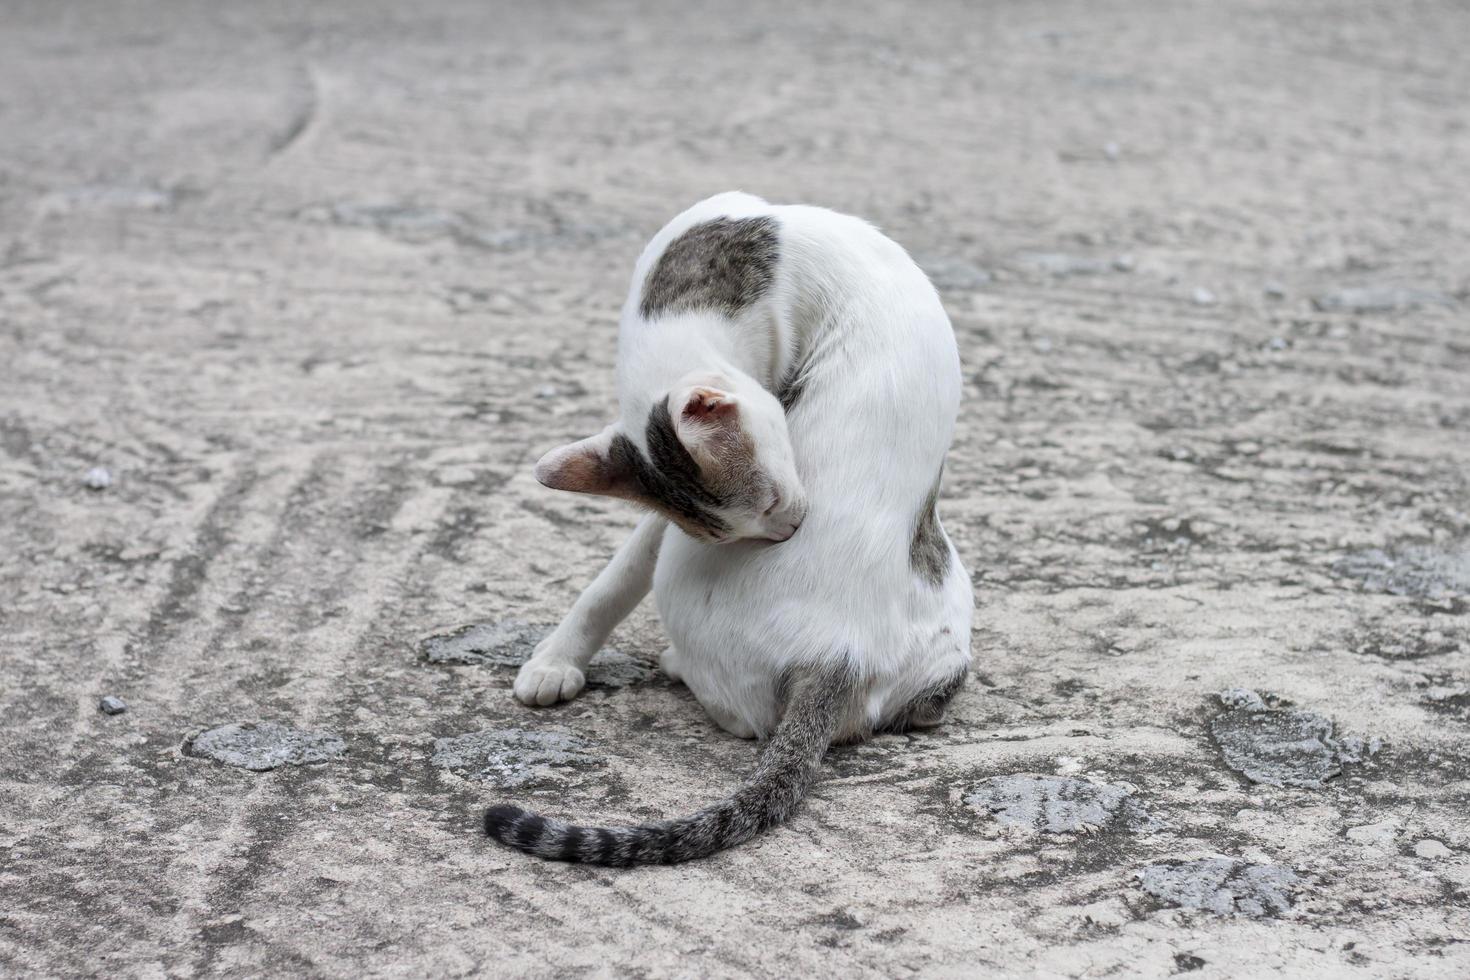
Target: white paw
<point x="548" y="682"/>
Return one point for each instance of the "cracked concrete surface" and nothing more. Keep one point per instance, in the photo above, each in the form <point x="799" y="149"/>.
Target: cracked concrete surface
<point x="291" y="297"/>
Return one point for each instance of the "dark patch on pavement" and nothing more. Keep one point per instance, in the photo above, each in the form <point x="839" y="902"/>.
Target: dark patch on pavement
<point x="1281" y="747"/>
<point x="1224" y="886"/>
<point x="265" y="745"/>
<point x="1058" y="804"/>
<point x="510" y="643"/>
<point x="512" y="758"/>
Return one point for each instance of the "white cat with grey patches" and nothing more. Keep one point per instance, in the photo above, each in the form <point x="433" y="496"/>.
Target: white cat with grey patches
<point x="787" y="387"/>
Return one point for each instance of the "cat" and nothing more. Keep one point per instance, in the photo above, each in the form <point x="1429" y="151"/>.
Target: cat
<point x="788" y="384"/>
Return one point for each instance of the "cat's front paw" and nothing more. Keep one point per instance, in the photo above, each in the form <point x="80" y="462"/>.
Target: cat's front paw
<point x="547" y="683"/>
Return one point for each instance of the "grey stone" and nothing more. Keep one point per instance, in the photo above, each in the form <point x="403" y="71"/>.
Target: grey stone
<point x="1422" y="571"/>
<point x="266" y="745"/>
<point x="1057" y="804"/>
<point x="954" y="274"/>
<point x="510" y="642"/>
<point x="513" y="757"/>
<point x="1202" y="297"/>
<point x="112" y="705"/>
<point x="98" y="478"/>
<point x="1431" y="849"/>
<point x="1380" y="299"/>
<point x="1221" y="885"/>
<point x="1062" y="264"/>
<point x="1280" y="747"/>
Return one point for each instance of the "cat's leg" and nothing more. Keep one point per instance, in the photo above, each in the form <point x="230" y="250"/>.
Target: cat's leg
<point x="668" y="662"/>
<point x="730" y="722"/>
<point x="555" y="670"/>
<point x="927" y="708"/>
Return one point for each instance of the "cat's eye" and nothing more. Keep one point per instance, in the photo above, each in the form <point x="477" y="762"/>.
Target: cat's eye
<point x="775" y="502"/>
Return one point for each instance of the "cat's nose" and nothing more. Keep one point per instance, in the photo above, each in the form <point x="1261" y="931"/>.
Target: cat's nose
<point x="785" y="524"/>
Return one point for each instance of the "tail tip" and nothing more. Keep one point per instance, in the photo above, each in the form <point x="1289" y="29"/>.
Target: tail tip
<point x="500" y="819"/>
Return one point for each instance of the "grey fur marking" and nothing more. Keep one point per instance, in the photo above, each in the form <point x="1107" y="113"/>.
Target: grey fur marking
<point x="723" y="265"/>
<point x="816" y="700"/>
<point x="793" y="386"/>
<point x="669" y="477"/>
<point x="929" y="550"/>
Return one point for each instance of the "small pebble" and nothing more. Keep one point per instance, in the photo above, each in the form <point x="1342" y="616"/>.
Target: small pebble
<point x="1202" y="297"/>
<point x="98" y="478"/>
<point x="1274" y="290"/>
<point x="112" y="706"/>
<point x="1431" y="849"/>
<point x="1111" y="150"/>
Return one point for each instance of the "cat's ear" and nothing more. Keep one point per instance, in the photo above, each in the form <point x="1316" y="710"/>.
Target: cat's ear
<point x="586" y="466"/>
<point x="709" y="407"/>
<point x="709" y="422"/>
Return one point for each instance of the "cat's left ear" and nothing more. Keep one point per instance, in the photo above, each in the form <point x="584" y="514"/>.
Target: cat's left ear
<point x="587" y="466"/>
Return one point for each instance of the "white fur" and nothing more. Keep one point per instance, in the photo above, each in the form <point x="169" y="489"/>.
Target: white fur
<point x="866" y="441"/>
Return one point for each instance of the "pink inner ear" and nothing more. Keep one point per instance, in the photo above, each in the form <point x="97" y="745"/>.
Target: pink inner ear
<point x="709" y="405"/>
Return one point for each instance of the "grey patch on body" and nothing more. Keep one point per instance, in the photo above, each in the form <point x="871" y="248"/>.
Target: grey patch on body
<point x="512" y="758"/>
<point x="1057" y="804"/>
<point x="264" y="746"/>
<point x="927" y="708"/>
<point x="816" y="701"/>
<point x="1224" y="886"/>
<point x="792" y="387"/>
<point x="929" y="549"/>
<point x="723" y="265"/>
<point x="510" y="643"/>
<point x="1279" y="747"/>
<point x="669" y="479"/>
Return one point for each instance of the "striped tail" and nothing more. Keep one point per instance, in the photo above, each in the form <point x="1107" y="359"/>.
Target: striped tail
<point x="788" y="766"/>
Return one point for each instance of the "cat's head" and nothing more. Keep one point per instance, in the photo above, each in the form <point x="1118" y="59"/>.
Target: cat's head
<point x="715" y="463"/>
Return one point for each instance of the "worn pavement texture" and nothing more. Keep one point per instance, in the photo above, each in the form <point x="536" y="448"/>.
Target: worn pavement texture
<point x="292" y="296"/>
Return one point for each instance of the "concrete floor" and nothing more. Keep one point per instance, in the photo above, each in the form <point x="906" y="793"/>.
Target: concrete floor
<point x="315" y="284"/>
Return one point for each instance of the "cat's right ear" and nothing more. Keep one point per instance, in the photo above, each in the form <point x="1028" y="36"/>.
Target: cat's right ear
<point x="586" y="466"/>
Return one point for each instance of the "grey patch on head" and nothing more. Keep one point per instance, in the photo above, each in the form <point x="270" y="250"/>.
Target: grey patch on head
<point x="669" y="478"/>
<point x="929" y="549"/>
<point x="112" y="706"/>
<point x="513" y="757"/>
<point x="1420" y="571"/>
<point x="1058" y="804"/>
<point x="723" y="265"/>
<point x="510" y="643"/>
<point x="1223" y="886"/>
<point x="1280" y="747"/>
<point x="1380" y="299"/>
<point x="264" y="746"/>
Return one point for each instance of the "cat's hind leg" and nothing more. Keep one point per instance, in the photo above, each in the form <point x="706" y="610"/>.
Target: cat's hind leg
<point x="668" y="662"/>
<point x="555" y="671"/>
<point x="926" y="709"/>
